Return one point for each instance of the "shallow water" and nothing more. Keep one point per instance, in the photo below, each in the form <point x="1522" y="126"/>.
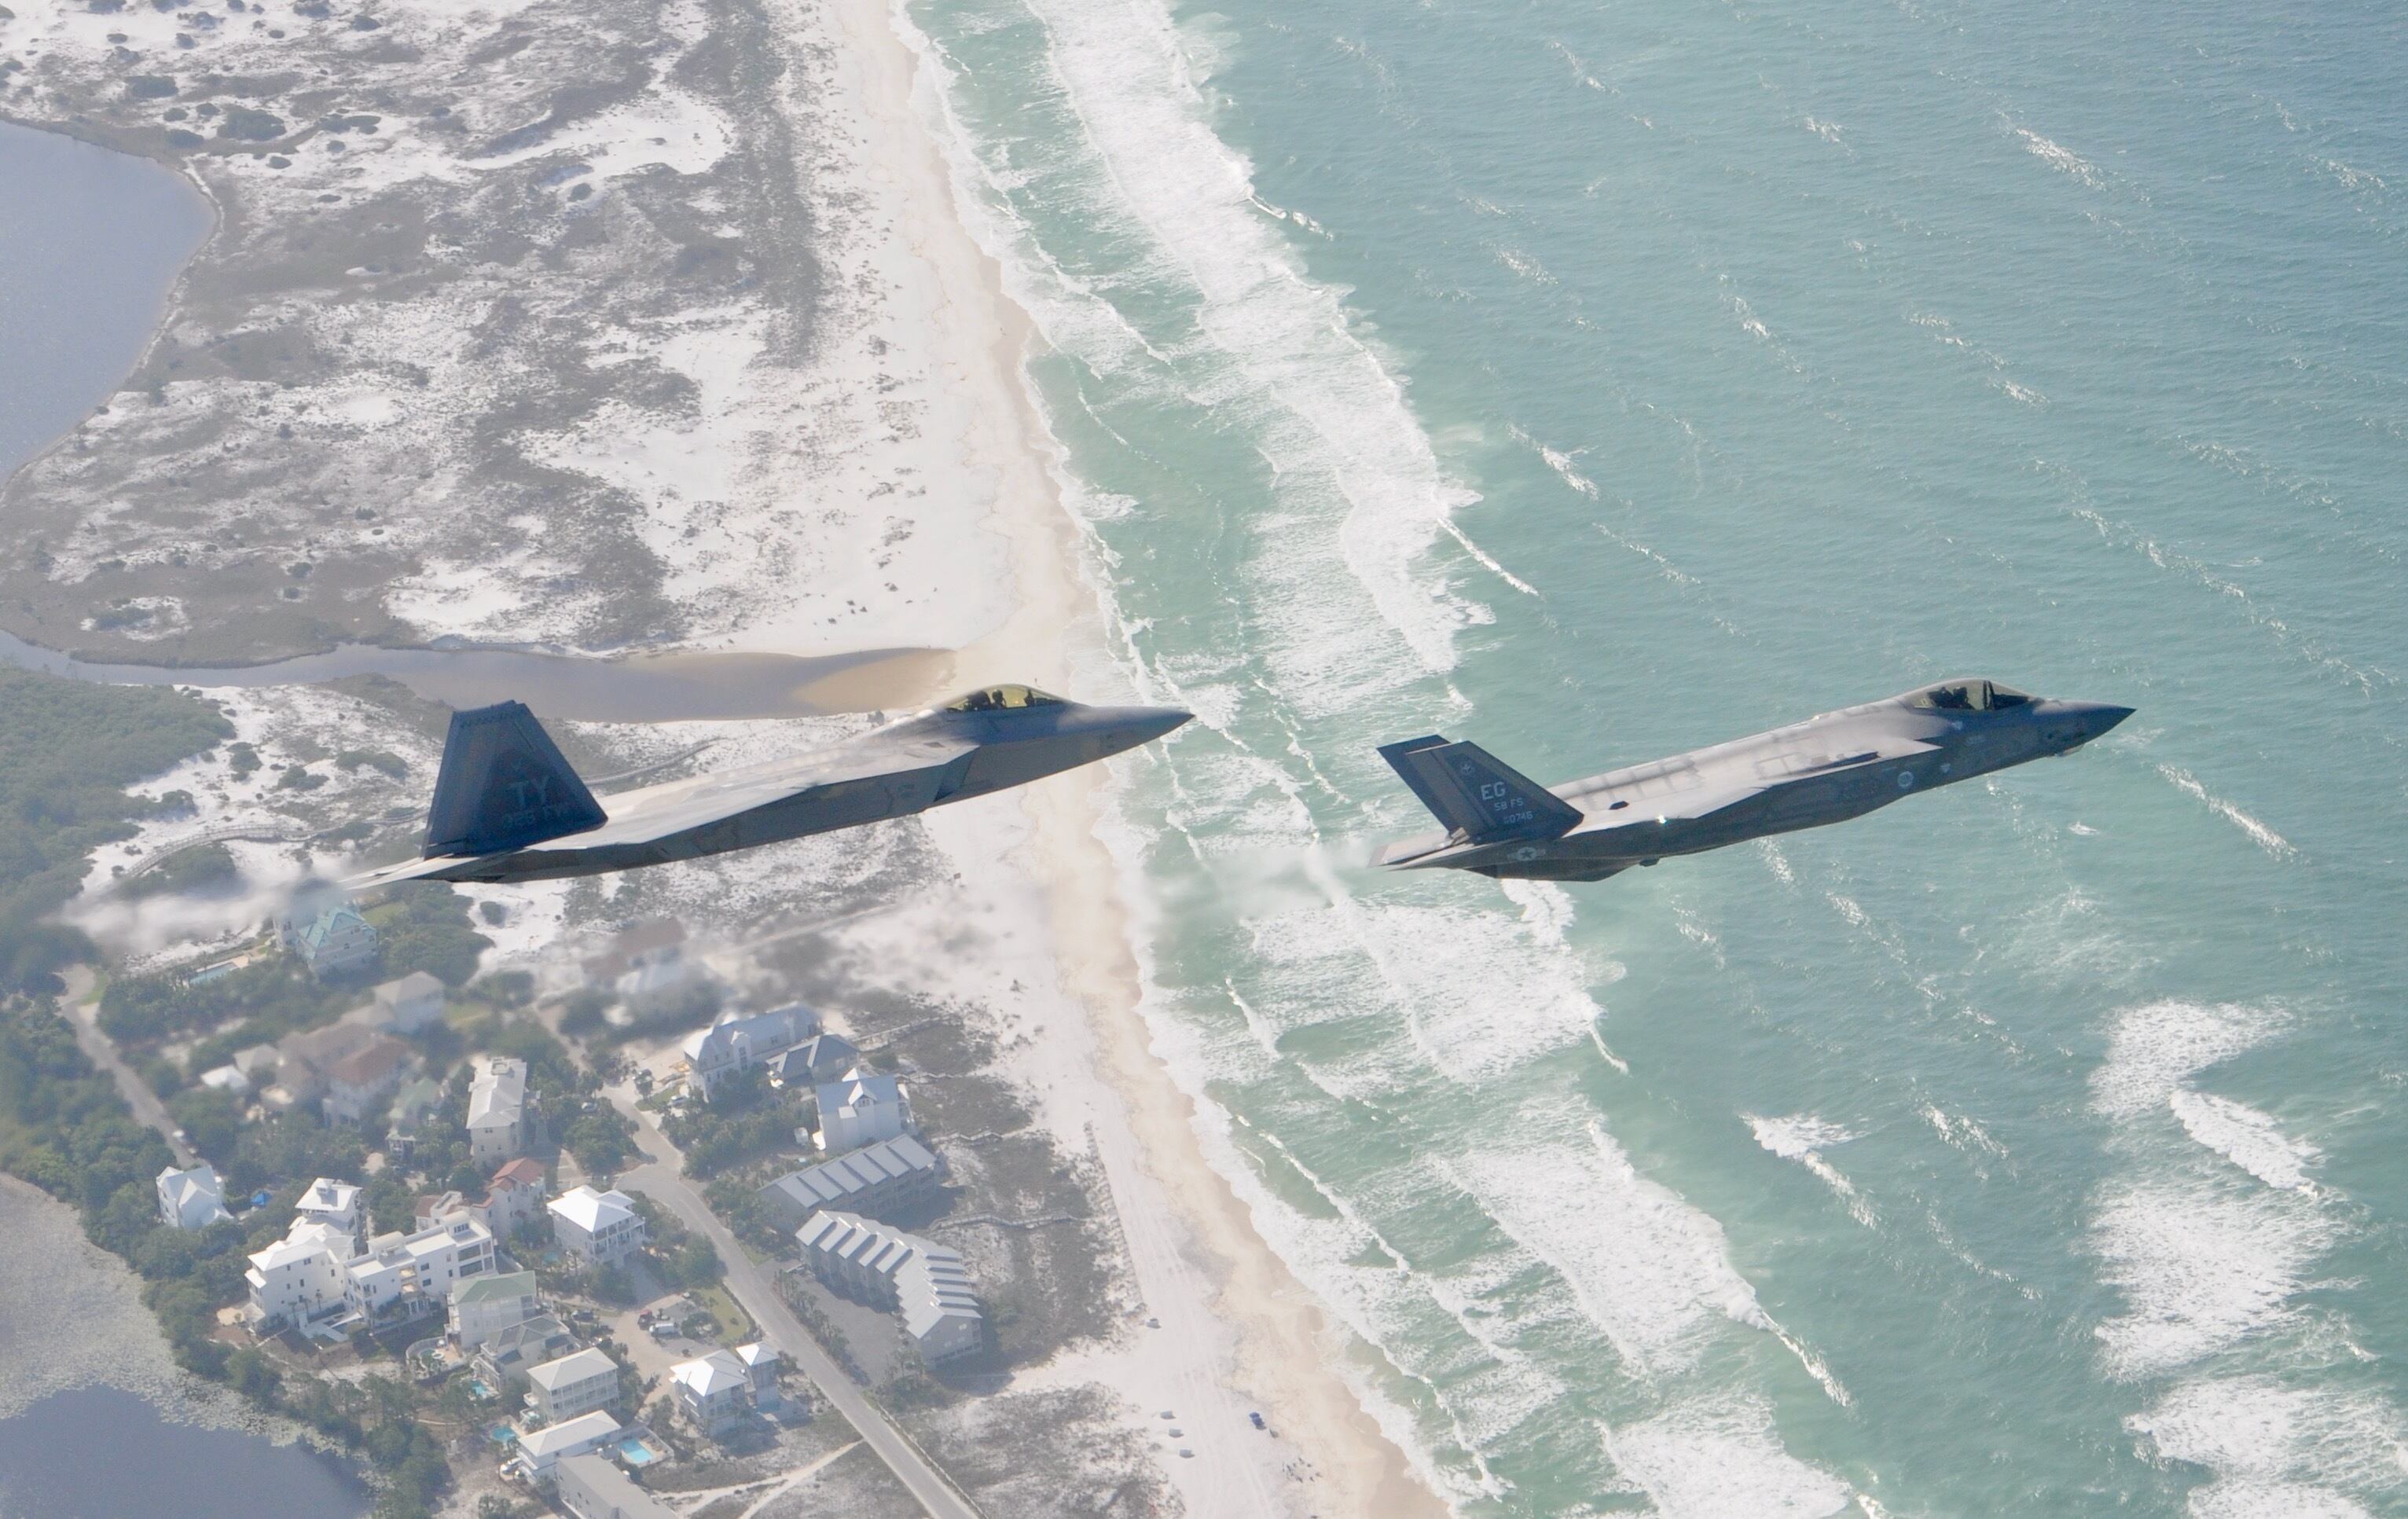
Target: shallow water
<point x="90" y="242"/>
<point x="101" y="1452"/>
<point x="1602" y="382"/>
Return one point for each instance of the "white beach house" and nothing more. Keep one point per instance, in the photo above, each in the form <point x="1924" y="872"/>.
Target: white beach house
<point x="338" y="1205"/>
<point x="715" y="1391"/>
<point x="497" y="1128"/>
<point x="541" y="1449"/>
<point x="859" y="1109"/>
<point x="600" y="1228"/>
<point x="192" y="1200"/>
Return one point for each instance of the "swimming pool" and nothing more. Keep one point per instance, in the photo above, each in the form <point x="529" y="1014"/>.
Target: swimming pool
<point x="636" y="1454"/>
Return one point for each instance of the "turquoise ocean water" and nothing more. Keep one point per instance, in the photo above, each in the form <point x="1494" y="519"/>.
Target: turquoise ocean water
<point x="1600" y="381"/>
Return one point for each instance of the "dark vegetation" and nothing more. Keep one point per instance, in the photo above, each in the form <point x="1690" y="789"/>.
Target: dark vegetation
<point x="745" y="1119"/>
<point x="67" y="752"/>
<point x="203" y="868"/>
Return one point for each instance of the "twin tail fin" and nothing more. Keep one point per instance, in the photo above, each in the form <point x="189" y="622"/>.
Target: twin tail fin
<point x="504" y="785"/>
<point x="1477" y="794"/>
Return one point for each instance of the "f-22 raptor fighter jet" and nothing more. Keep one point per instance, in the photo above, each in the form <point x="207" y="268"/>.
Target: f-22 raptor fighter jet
<point x="1825" y="769"/>
<point x="508" y="807"/>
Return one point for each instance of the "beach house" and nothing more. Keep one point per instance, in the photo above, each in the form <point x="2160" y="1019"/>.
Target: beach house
<point x="408" y="1005"/>
<point x="541" y="1449"/>
<point x="192" y="1199"/>
<point x="484" y="1308"/>
<point x="299" y="1278"/>
<point x="356" y="1082"/>
<point x="513" y="1197"/>
<point x="509" y="1354"/>
<point x="715" y="1391"/>
<point x="761" y="1366"/>
<point x="331" y="942"/>
<point x="578" y="1383"/>
<point x="598" y="1229"/>
<point x="857" y="1109"/>
<point x="497" y="1128"/>
<point x="823" y="1057"/>
<point x="339" y="1205"/>
<point x="732" y="1044"/>
<point x="401" y="1277"/>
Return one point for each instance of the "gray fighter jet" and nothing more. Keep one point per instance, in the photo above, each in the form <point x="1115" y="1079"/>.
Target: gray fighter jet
<point x="1825" y="769"/>
<point x="508" y="807"/>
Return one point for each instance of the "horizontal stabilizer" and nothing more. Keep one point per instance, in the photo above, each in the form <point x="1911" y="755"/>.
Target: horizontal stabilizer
<point x="1477" y="794"/>
<point x="504" y="785"/>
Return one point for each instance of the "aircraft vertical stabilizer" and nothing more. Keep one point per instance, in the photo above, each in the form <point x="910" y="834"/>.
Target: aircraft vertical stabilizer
<point x="504" y="785"/>
<point x="1472" y="792"/>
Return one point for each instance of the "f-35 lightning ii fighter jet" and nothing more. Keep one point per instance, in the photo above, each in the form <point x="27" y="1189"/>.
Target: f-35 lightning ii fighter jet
<point x="508" y="807"/>
<point x="1825" y="769"/>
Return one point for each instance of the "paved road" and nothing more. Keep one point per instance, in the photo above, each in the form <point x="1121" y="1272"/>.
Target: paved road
<point x="102" y="1051"/>
<point x="662" y="1181"/>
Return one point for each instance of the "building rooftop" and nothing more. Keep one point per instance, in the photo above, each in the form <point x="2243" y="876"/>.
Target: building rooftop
<point x="328" y="1197"/>
<point x="608" y="1487"/>
<point x="520" y="1172"/>
<point x="370" y="1064"/>
<point x="579" y="1366"/>
<point x="711" y="1375"/>
<point x="833" y="1183"/>
<point x="499" y="1094"/>
<point x="494" y="1289"/>
<point x="586" y="1428"/>
<point x="592" y="1211"/>
<point x="416" y="984"/>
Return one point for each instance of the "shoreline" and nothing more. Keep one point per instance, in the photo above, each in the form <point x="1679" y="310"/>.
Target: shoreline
<point x="1279" y="1335"/>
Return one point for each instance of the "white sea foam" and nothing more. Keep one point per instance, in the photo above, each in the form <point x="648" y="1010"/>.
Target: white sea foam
<point x="1803" y="1138"/>
<point x="2276" y="1450"/>
<point x="2247" y="1138"/>
<point x="2064" y="160"/>
<point x="1720" y="1457"/>
<point x="1558" y="460"/>
<point x="2157" y="1044"/>
<point x="2262" y="836"/>
<point x="2199" y="1266"/>
<point x="1650" y="1271"/>
<point x="1360" y="497"/>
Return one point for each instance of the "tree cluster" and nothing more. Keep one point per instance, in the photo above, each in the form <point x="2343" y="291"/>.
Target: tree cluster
<point x="68" y="752"/>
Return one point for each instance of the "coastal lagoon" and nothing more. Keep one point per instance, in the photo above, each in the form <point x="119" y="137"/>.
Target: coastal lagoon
<point x="95" y="1420"/>
<point x="1599" y="381"/>
<point x="101" y="1452"/>
<point x="90" y="242"/>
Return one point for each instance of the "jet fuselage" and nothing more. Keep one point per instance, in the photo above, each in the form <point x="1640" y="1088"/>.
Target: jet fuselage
<point x="1825" y="769"/>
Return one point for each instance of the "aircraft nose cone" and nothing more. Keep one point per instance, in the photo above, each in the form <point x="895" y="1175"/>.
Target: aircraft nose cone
<point x="2100" y="716"/>
<point x="1151" y="722"/>
<point x="1121" y="728"/>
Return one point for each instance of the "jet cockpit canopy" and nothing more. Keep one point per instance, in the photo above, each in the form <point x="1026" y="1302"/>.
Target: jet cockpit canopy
<point x="1969" y="696"/>
<point x="1003" y="698"/>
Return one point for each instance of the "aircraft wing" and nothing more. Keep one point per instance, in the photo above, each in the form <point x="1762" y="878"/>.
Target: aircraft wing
<point x="1698" y="801"/>
<point x="875" y="776"/>
<point x="639" y="816"/>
